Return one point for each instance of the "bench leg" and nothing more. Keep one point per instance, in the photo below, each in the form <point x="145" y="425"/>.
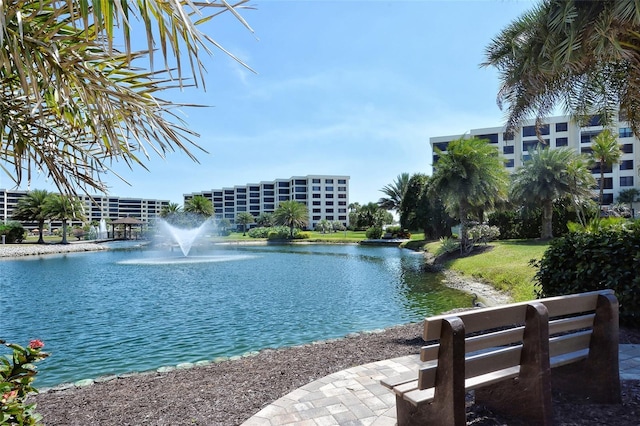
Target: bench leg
<point x="528" y="397"/>
<point x="598" y="377"/>
<point x="448" y="406"/>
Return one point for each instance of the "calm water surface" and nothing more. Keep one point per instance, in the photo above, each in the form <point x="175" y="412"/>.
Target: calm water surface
<point x="119" y="311"/>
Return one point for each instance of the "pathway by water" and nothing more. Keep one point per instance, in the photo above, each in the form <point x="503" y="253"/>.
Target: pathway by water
<point x="114" y="312"/>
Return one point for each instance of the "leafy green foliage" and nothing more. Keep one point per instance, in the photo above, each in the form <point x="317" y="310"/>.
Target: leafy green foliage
<point x="374" y="233"/>
<point x="281" y="233"/>
<point x="603" y="259"/>
<point x="13" y="231"/>
<point x="17" y="374"/>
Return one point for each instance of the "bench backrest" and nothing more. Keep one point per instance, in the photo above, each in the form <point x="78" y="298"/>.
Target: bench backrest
<point x="494" y="337"/>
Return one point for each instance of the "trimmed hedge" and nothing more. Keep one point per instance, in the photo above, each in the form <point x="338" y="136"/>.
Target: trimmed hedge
<point x="580" y="262"/>
<point x="14" y="232"/>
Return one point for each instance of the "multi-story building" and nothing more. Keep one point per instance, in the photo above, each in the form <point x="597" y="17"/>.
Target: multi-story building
<point x="96" y="207"/>
<point x="326" y="197"/>
<point x="557" y="132"/>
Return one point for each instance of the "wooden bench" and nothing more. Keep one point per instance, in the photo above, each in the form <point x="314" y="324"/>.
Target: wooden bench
<point x="505" y="355"/>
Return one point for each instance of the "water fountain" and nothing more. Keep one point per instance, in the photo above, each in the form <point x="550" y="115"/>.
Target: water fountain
<point x="184" y="237"/>
<point x="102" y="230"/>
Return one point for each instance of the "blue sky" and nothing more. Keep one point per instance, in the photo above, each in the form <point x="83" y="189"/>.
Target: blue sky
<point x="351" y="88"/>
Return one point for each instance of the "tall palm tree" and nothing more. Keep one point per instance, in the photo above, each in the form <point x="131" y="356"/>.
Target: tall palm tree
<point x="606" y="152"/>
<point x="584" y="55"/>
<point x="71" y="103"/>
<point x="550" y="175"/>
<point x="63" y="207"/>
<point x="199" y="205"/>
<point x="291" y="213"/>
<point x="244" y="218"/>
<point x="31" y="208"/>
<point x="394" y="193"/>
<point x="470" y="174"/>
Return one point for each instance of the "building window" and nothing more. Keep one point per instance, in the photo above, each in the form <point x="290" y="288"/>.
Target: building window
<point x="301" y="196"/>
<point x="241" y="190"/>
<point x="509" y="163"/>
<point x="607" y="199"/>
<point x="283" y="198"/>
<point x="329" y="195"/>
<point x="507" y="149"/>
<point x="329" y="203"/>
<point x="531" y="130"/>
<point x="627" y="148"/>
<point x="317" y="210"/>
<point x="283" y="184"/>
<point x="316" y="188"/>
<point x="586" y="150"/>
<point x="626" y="165"/>
<point x="529" y="145"/>
<point x="317" y="203"/>
<point x="300" y="181"/>
<point x="492" y="137"/>
<point x="625" y="132"/>
<point x="508" y="136"/>
<point x="594" y="121"/>
<point x="561" y="127"/>
<point x="329" y="217"/>
<point x="316" y="217"/>
<point x="342" y="195"/>
<point x="329" y="210"/>
<point x="315" y="195"/>
<point x="608" y="183"/>
<point x="328" y="188"/>
<point x="283" y="191"/>
<point x="301" y="189"/>
<point x="342" y="181"/>
<point x="342" y="203"/>
<point x="442" y="146"/>
<point x="626" y="180"/>
<point x="342" y="188"/>
<point x="562" y="142"/>
<point x="328" y="181"/>
<point x="269" y="199"/>
<point x="267" y="193"/>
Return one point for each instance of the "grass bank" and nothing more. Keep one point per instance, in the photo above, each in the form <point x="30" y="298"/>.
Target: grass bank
<point x="506" y="265"/>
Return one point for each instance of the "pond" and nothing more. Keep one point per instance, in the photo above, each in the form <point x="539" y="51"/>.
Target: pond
<point x="119" y="311"/>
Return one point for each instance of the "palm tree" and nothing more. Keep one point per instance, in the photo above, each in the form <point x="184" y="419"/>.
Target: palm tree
<point x="469" y="175"/>
<point x="170" y="212"/>
<point x="394" y="193"/>
<point x="606" y="152"/>
<point x="199" y="205"/>
<point x="62" y="207"/>
<point x="265" y="220"/>
<point x="323" y="226"/>
<point x="244" y="218"/>
<point x="581" y="54"/>
<point x="550" y="175"/>
<point x="31" y="208"/>
<point x="291" y="213"/>
<point x="72" y="104"/>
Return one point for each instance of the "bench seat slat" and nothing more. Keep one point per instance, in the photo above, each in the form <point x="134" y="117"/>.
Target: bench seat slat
<point x="391" y="382"/>
<point x="569" y="324"/>
<point x="569" y="343"/>
<point x="568" y="358"/>
<point x="419" y="396"/>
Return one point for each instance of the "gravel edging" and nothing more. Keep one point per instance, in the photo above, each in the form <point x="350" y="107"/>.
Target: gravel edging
<point x="21" y="250"/>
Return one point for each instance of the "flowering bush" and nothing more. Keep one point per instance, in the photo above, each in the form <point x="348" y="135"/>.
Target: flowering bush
<point x="17" y="372"/>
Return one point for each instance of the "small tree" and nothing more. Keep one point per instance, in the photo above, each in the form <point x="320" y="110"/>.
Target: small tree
<point x="629" y="196"/>
<point x="63" y="208"/>
<point x="265" y="220"/>
<point x="244" y="218"/>
<point x="291" y="213"/>
<point x="324" y="226"/>
<point x="606" y="152"/>
<point x="31" y="208"/>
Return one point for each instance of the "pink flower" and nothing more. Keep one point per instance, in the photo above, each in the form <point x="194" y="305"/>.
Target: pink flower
<point x="9" y="396"/>
<point x="36" y="344"/>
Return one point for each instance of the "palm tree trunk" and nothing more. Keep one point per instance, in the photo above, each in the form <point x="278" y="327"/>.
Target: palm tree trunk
<point x="547" y="220"/>
<point x="64" y="232"/>
<point x="41" y="232"/>
<point x="601" y="199"/>
<point x="464" y="240"/>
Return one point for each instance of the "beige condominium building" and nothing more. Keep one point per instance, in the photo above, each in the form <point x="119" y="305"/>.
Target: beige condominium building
<point x="95" y="208"/>
<point x="326" y="197"/>
<point x="557" y="132"/>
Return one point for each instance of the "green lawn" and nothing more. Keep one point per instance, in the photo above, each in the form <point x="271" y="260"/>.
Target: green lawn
<point x="506" y="266"/>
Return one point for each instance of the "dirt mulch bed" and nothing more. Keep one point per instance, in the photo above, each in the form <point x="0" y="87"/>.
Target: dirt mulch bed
<point x="228" y="393"/>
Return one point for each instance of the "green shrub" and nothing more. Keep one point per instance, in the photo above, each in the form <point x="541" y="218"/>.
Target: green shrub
<point x="14" y="232"/>
<point x="447" y="245"/>
<point x="374" y="233"/>
<point x="580" y="262"/>
<point x="260" y="232"/>
<point x="279" y="233"/>
<point x="301" y="235"/>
